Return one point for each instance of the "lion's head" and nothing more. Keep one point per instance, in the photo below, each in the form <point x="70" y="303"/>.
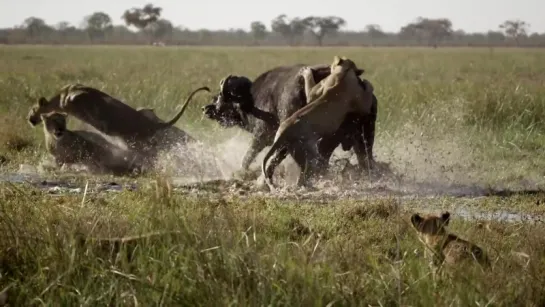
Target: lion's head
<point x="55" y="123"/>
<point x="431" y="225"/>
<point x="66" y="94"/>
<point x="39" y="108"/>
<point x="346" y="65"/>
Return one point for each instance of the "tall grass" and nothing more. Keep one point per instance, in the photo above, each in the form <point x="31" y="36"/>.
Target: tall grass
<point x="228" y="251"/>
<point x="447" y="114"/>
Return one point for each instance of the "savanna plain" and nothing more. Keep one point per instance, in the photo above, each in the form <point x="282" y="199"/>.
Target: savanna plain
<point x="450" y="122"/>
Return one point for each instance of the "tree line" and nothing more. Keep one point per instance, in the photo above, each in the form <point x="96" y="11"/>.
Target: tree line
<point x="150" y="28"/>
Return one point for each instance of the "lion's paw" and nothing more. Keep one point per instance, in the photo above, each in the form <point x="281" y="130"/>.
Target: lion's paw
<point x="305" y="71"/>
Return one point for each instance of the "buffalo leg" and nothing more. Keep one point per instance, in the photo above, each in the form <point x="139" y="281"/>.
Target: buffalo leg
<point x="363" y="143"/>
<point x="309" y="160"/>
<point x="369" y="129"/>
<point x="344" y="135"/>
<point x="257" y="145"/>
<point x="326" y="147"/>
<point x="300" y="158"/>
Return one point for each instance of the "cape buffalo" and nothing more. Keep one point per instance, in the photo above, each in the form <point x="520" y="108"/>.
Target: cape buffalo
<point x="258" y="107"/>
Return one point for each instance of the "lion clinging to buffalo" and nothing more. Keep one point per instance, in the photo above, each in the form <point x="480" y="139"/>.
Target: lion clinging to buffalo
<point x="258" y="107"/>
<point x="329" y="101"/>
<point x="288" y="105"/>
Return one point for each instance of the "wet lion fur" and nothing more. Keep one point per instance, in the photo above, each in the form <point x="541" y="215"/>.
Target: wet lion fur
<point x="329" y="102"/>
<point x="106" y="114"/>
<point x="277" y="93"/>
<point x="73" y="147"/>
<point x="172" y="135"/>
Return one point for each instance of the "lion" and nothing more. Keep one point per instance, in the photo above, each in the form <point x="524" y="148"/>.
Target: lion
<point x="329" y="102"/>
<point x="173" y="135"/>
<point x="259" y="106"/>
<point x="106" y="114"/>
<point x="442" y="246"/>
<point x="71" y="147"/>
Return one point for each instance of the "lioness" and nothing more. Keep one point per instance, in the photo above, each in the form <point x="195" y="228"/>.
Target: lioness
<point x="105" y="113"/>
<point x="279" y="92"/>
<point x="329" y="102"/>
<point x="69" y="147"/>
<point x="442" y="246"/>
<point x="173" y="135"/>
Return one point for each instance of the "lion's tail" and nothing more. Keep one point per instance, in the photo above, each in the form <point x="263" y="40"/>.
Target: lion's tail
<point x="179" y="115"/>
<point x="278" y="143"/>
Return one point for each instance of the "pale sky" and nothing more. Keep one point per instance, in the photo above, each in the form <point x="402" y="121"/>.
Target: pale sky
<point x="469" y="15"/>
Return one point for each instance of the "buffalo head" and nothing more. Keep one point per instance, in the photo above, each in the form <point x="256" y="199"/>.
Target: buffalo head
<point x="231" y="105"/>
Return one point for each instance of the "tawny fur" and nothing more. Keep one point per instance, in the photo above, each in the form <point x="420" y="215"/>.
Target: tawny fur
<point x="69" y="147"/>
<point x="329" y="102"/>
<point x="442" y="246"/>
<point x="106" y="114"/>
<point x="172" y="135"/>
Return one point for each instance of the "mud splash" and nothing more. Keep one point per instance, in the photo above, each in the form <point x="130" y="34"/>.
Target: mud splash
<point x="205" y="170"/>
<point x="63" y="186"/>
<point x="329" y="190"/>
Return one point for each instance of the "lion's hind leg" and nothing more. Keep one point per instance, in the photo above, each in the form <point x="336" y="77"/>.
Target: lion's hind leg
<point x="275" y="160"/>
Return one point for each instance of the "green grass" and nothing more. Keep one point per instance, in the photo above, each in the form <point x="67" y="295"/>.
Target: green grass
<point x="257" y="251"/>
<point x="466" y="116"/>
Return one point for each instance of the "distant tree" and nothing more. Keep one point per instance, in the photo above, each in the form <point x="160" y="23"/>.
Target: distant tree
<point x="161" y="29"/>
<point x="409" y="32"/>
<point x="204" y="35"/>
<point x="375" y="32"/>
<point x="122" y="34"/>
<point x="538" y="39"/>
<point x="147" y="20"/>
<point x="36" y="27"/>
<point x="432" y="30"/>
<point x="62" y="26"/>
<point x="436" y="30"/>
<point x="291" y="30"/>
<point x="240" y="33"/>
<point x="515" y="29"/>
<point x="281" y="26"/>
<point x="65" y="29"/>
<point x="458" y="35"/>
<point x="258" y="30"/>
<point x="495" y="37"/>
<point x="298" y="28"/>
<point x="97" y="25"/>
<point x="141" y="18"/>
<point x="120" y="29"/>
<point x="321" y="26"/>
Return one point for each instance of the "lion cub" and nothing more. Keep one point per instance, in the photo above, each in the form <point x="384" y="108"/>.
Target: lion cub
<point x="70" y="147"/>
<point x="442" y="246"/>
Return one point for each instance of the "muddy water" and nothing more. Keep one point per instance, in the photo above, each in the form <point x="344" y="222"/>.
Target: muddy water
<point x="472" y="214"/>
<point x="327" y="191"/>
